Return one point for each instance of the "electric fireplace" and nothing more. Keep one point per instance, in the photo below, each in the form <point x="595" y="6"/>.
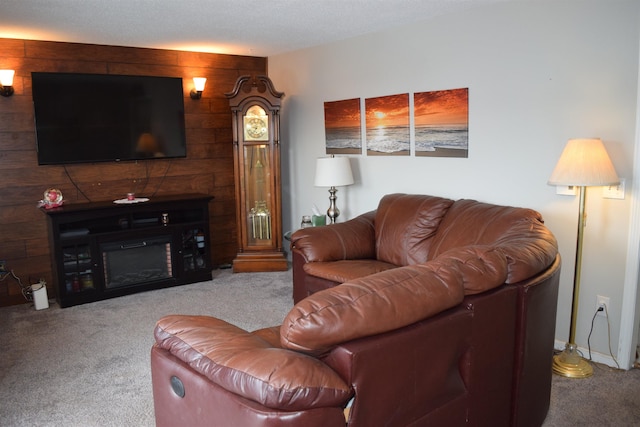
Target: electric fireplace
<point x="136" y="261"/>
<point x="106" y="250"/>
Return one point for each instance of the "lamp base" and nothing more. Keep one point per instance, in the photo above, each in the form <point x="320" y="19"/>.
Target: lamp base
<point x="333" y="210"/>
<point x="570" y="364"/>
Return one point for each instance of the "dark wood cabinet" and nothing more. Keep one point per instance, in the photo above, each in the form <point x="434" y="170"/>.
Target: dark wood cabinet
<point x="104" y="250"/>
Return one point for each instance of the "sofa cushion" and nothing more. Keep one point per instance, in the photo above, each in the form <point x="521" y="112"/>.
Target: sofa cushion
<point x="404" y="226"/>
<point x="519" y="233"/>
<point x="247" y="365"/>
<point x="345" y="270"/>
<point x="371" y="305"/>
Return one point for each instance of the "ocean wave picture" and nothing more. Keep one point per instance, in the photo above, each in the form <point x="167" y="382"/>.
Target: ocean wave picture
<point x="342" y="127"/>
<point x="442" y="123"/>
<point x="387" y="125"/>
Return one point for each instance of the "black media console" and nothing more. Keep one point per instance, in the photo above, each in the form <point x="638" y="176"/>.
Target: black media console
<point x="104" y="250"/>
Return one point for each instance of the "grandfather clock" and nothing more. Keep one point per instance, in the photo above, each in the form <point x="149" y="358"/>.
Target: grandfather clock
<point x="255" y="105"/>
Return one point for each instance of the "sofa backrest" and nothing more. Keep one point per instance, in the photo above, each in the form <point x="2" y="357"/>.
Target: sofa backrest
<point x="405" y="225"/>
<point x="373" y="304"/>
<point x="518" y="234"/>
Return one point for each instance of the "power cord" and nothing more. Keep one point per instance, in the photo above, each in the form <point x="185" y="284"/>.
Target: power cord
<point x="591" y="330"/>
<point x="26" y="290"/>
<point x="162" y="179"/>
<point x="146" y="178"/>
<point x="66" y="171"/>
<point x="606" y="313"/>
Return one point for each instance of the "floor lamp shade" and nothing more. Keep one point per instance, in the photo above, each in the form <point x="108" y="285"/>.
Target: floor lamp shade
<point x="333" y="172"/>
<point x="583" y="163"/>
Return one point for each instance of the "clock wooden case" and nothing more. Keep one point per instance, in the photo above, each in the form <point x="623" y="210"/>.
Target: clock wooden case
<point x="255" y="105"/>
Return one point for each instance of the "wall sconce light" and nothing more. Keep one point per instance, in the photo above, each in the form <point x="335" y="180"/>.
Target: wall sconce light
<point x="6" y="82"/>
<point x="198" y="82"/>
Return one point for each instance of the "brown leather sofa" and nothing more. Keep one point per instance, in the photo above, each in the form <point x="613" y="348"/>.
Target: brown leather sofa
<point x="427" y="311"/>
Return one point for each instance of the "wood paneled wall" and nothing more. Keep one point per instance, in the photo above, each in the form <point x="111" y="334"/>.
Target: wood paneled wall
<point x="207" y="169"/>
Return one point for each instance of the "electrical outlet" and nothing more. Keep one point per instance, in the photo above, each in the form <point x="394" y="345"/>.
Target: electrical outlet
<point x="614" y="191"/>
<point x="600" y="302"/>
<point x="566" y="190"/>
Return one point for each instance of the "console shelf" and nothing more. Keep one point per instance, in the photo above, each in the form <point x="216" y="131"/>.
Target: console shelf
<point x="104" y="250"/>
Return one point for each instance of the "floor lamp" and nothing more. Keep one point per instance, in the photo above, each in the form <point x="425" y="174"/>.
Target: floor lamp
<point x="583" y="163"/>
<point x="333" y="172"/>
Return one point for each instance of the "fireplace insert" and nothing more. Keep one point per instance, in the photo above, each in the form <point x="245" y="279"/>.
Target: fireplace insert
<point x="136" y="261"/>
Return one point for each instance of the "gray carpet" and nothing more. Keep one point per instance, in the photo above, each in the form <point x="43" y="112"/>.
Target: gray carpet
<point x="609" y="398"/>
<point x="89" y="365"/>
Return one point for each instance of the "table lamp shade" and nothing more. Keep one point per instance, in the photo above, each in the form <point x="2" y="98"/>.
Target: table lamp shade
<point x="333" y="172"/>
<point x="584" y="162"/>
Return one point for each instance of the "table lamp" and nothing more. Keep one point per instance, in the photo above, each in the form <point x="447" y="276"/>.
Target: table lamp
<point x="333" y="172"/>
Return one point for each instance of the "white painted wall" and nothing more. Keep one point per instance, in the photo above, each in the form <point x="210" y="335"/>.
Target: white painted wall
<point x="538" y="74"/>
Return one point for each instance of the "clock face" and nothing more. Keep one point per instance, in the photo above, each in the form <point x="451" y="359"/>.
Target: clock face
<point x="256" y="124"/>
<point x="255" y="128"/>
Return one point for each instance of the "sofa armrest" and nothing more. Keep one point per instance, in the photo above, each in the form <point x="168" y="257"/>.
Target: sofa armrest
<point x="353" y="239"/>
<point x="249" y="366"/>
<point x="184" y="397"/>
<point x="419" y="372"/>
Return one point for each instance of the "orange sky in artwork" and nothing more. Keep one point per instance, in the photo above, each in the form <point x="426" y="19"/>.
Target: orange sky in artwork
<point x="442" y="107"/>
<point x="390" y="110"/>
<point x="344" y="113"/>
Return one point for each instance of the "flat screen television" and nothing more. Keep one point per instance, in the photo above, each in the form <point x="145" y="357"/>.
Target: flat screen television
<point x="87" y="118"/>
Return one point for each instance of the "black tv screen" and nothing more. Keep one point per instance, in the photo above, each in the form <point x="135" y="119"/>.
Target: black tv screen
<point x="86" y="118"/>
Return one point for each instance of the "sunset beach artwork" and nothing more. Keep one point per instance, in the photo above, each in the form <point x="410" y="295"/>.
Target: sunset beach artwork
<point x="342" y="123"/>
<point x="387" y="125"/>
<point x="442" y="123"/>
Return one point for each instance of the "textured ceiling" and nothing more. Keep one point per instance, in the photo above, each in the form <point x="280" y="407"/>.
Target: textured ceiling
<point x="256" y="28"/>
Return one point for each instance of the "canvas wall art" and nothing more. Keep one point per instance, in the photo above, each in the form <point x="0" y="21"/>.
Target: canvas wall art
<point x="342" y="122"/>
<point x="441" y="120"/>
<point x="387" y="125"/>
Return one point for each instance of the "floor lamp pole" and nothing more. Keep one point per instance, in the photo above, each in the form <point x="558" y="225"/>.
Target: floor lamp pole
<point x="569" y="363"/>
